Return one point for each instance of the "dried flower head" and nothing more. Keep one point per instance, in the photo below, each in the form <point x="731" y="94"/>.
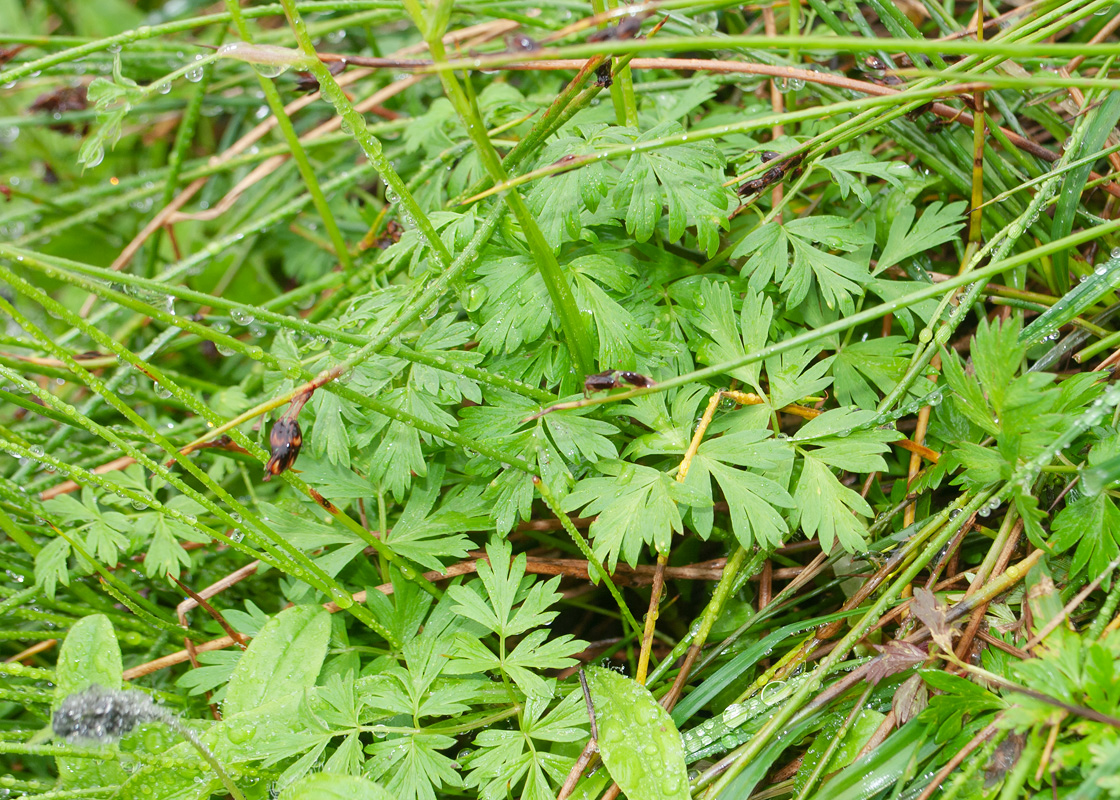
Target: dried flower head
<point x="103" y="715"/>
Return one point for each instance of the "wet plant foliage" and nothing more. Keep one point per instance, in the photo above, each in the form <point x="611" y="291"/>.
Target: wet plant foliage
<point x="428" y="399"/>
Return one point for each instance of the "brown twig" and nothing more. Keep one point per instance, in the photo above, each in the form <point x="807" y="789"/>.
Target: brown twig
<point x="957" y="760"/>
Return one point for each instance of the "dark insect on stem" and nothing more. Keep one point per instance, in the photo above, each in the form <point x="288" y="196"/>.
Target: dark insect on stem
<point x="768" y="178"/>
<point x="615" y="379"/>
<point x="285" y="439"/>
<point x="787" y="166"/>
<point x="603" y="77"/>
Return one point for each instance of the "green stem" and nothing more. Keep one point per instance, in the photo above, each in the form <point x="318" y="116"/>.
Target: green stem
<point x="594" y="567"/>
<point x="19" y="536"/>
<point x="495" y="452"/>
<point x="381" y="344"/>
<point x="576" y="334"/>
<point x="299" y="155"/>
<point x="778" y="722"/>
<point x="839" y="326"/>
<point x="307" y="569"/>
<point x="355" y="124"/>
<point x="998" y="247"/>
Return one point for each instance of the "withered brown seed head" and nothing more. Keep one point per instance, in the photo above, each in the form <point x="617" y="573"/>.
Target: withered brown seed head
<point x="285" y="440"/>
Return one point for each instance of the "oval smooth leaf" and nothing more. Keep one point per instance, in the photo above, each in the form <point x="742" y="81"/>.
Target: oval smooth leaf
<point x="284" y="658"/>
<point x="89" y="655"/>
<point x="323" y="786"/>
<point x="638" y="741"/>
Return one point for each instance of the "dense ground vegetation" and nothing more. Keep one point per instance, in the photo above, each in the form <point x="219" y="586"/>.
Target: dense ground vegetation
<point x="370" y="366"/>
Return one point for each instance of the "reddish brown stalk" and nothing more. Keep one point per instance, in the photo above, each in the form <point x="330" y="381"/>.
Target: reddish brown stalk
<point x="789" y="73"/>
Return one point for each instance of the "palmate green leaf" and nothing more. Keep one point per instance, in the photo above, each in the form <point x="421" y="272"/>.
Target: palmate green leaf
<point x="967" y="395"/>
<point x="825" y="506"/>
<point x="997" y="355"/>
<point x="638" y="741"/>
<point x="417" y="688"/>
<point x="413" y="250"/>
<point x="576" y="435"/>
<point x="938" y="224"/>
<point x="795" y="374"/>
<point x="730" y="338"/>
<point x="840" y="439"/>
<point x="845" y="168"/>
<point x="426" y="537"/>
<point x="957" y="698"/>
<point x="411" y="766"/>
<point x="504" y="587"/>
<point x="636" y="506"/>
<point x="619" y="334"/>
<point x="789" y="254"/>
<point x="523" y="665"/>
<point x="399" y="455"/>
<point x="432" y="131"/>
<point x="517" y="308"/>
<point x="684" y="178"/>
<point x="510" y="496"/>
<point x="329" y="438"/>
<point x="753" y="500"/>
<point x="420" y="691"/>
<point x="671" y="420"/>
<point x="1092" y="524"/>
<point x="165" y="554"/>
<point x="106" y="532"/>
<point x="505" y="758"/>
<point x="446" y="385"/>
<point x="559" y="203"/>
<point x="895" y="288"/>
<point x="51" y="566"/>
<point x="217" y="667"/>
<point x="1070" y="670"/>
<point x="505" y="584"/>
<point x="113" y="99"/>
<point x="862" y="367"/>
